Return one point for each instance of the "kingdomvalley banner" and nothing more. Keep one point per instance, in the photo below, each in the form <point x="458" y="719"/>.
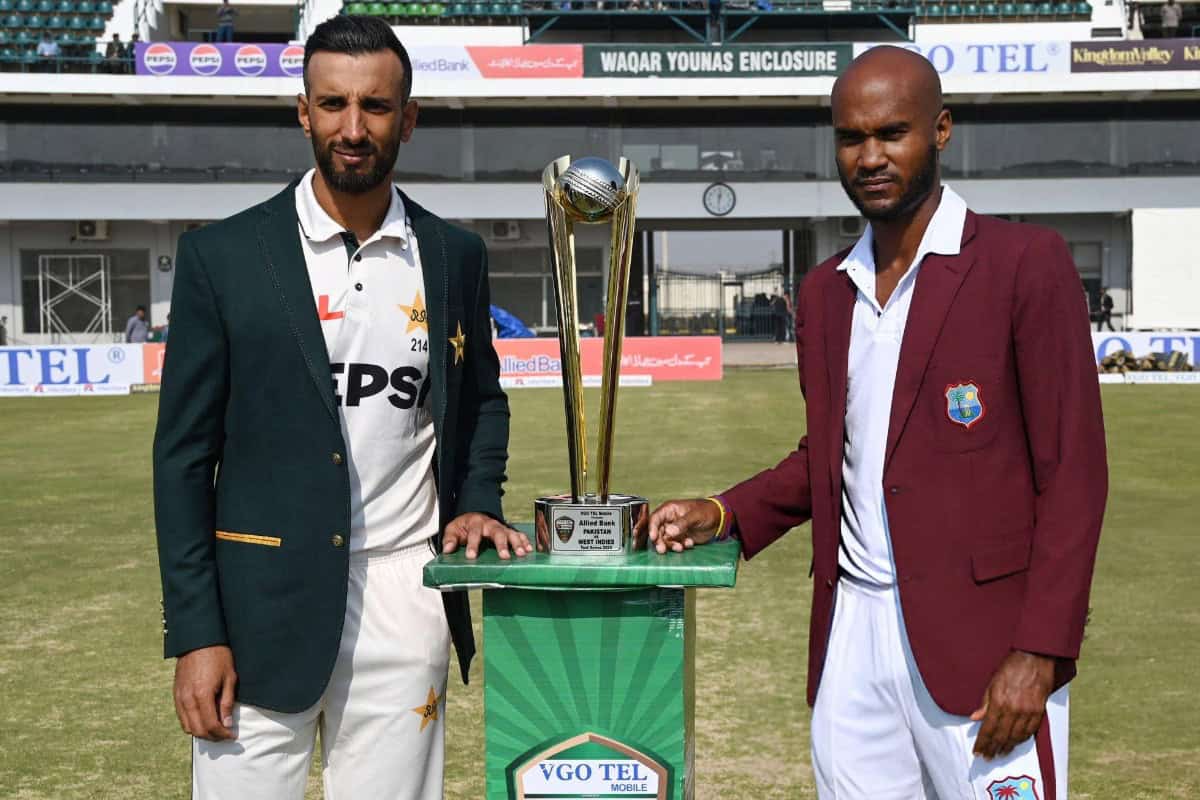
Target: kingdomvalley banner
<point x="706" y="61"/>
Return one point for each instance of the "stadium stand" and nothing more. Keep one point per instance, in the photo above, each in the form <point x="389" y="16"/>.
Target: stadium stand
<point x="738" y="16"/>
<point x="75" y="26"/>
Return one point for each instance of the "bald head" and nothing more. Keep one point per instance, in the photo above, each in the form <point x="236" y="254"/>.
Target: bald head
<point x="889" y="127"/>
<point x="892" y="70"/>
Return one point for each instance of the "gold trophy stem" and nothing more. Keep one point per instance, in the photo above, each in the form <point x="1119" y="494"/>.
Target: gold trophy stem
<point x="567" y="307"/>
<point x="614" y="333"/>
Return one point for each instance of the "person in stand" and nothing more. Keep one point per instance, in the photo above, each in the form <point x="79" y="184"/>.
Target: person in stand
<point x="137" y="329"/>
<point x="1104" y="313"/>
<point x="1171" y="15"/>
<point x="47" y="53"/>
<point x="226" y="15"/>
<point x="114" y="53"/>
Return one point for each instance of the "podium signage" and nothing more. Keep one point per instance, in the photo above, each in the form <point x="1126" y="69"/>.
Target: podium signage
<point x="590" y="765"/>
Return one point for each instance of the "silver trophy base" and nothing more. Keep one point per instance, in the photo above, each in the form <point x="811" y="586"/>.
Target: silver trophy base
<point x="589" y="527"/>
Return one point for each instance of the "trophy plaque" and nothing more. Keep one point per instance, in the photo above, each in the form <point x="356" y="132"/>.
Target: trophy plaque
<point x="590" y="191"/>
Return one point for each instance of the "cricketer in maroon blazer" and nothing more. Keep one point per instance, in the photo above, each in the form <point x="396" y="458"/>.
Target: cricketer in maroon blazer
<point x="994" y="526"/>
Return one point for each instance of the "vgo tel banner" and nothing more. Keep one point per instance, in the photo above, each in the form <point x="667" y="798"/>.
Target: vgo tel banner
<point x="536" y="362"/>
<point x="49" y="371"/>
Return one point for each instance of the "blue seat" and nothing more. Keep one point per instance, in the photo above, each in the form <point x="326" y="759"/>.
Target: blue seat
<point x="14" y="21"/>
<point x="66" y="7"/>
<point x="56" y="23"/>
<point x="104" y="7"/>
<point x="78" y="23"/>
<point x="5" y="38"/>
<point x="25" y="6"/>
<point x="85" y="7"/>
<point x="34" y="21"/>
<point x="6" y="6"/>
<point x="97" y="24"/>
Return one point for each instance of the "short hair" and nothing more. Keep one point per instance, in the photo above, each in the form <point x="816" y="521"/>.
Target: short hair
<point x="355" y="35"/>
<point x="140" y="308"/>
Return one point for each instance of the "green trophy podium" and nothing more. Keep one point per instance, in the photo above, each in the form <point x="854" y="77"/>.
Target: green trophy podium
<point x="589" y="669"/>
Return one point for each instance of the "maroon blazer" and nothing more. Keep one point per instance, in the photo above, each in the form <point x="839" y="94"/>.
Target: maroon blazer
<point x="994" y="526"/>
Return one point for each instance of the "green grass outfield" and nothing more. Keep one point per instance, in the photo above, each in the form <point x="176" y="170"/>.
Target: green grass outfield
<point x="85" y="700"/>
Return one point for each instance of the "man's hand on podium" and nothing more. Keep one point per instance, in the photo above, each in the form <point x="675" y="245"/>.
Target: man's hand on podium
<point x="471" y="529"/>
<point x="682" y="524"/>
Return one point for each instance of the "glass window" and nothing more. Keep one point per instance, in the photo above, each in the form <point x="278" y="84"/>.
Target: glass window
<point x="123" y="276"/>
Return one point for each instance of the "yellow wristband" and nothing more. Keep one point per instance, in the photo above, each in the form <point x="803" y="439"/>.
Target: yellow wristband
<point x="721" y="524"/>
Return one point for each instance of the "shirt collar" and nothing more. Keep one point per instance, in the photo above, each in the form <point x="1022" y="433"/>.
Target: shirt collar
<point x="943" y="235"/>
<point x="318" y="226"/>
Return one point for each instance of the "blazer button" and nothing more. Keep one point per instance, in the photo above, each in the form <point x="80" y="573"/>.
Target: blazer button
<point x="337" y="540"/>
<point x="337" y="459"/>
<point x="828" y="584"/>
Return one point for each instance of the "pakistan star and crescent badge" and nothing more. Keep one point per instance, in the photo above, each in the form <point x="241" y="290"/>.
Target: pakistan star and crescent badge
<point x="429" y="711"/>
<point x="964" y="404"/>
<point x="1021" y="787"/>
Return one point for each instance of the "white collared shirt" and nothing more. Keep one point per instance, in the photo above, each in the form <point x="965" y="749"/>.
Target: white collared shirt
<point x="875" y="336"/>
<point x="370" y="299"/>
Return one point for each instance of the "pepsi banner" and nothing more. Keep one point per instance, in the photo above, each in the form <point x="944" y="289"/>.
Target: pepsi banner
<point x="220" y="60"/>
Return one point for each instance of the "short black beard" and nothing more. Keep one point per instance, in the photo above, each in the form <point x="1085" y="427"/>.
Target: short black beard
<point x="920" y="187"/>
<point x="356" y="183"/>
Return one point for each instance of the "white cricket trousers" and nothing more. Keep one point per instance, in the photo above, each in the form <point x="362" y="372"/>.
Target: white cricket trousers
<point x="382" y="716"/>
<point x="878" y="735"/>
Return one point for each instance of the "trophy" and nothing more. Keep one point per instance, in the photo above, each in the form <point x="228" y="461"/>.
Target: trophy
<point x="590" y="190"/>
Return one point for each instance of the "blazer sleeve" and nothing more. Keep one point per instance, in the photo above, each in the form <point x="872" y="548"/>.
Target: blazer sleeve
<point x="187" y="449"/>
<point x="778" y="499"/>
<point x="484" y="420"/>
<point x="1060" y="401"/>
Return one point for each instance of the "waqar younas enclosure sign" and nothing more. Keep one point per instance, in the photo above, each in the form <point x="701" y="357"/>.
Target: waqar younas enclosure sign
<point x="706" y="61"/>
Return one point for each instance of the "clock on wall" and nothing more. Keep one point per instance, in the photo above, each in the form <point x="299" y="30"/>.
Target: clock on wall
<point x="719" y="199"/>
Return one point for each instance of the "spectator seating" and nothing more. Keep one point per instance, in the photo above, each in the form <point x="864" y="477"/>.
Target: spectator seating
<point x="75" y="25"/>
<point x="424" y="11"/>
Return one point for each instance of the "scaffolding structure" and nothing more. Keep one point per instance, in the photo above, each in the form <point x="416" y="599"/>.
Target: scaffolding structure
<point x="71" y="278"/>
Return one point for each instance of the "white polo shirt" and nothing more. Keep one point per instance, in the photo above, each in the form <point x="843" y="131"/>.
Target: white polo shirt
<point x="370" y="299"/>
<point x="876" y="332"/>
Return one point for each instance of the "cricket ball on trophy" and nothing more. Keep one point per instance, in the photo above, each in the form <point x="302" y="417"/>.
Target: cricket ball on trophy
<point x="591" y="189"/>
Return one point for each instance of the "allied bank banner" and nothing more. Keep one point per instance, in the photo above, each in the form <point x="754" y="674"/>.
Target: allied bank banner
<point x="1146" y="55"/>
<point x="287" y="61"/>
<point x="536" y="362"/>
<point x="989" y="58"/>
<point x="57" y="370"/>
<point x="707" y="61"/>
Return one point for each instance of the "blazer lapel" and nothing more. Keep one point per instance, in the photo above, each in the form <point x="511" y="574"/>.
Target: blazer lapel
<point x="839" y="309"/>
<point x="431" y="239"/>
<point x="283" y="258"/>
<point x="937" y="284"/>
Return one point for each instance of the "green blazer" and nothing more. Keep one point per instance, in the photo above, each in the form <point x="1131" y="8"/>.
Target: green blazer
<point x="248" y="442"/>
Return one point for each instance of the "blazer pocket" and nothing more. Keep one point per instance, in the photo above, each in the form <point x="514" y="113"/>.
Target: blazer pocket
<point x="1002" y="559"/>
<point x="250" y="538"/>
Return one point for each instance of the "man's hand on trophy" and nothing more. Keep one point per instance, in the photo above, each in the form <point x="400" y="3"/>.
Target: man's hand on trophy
<point x="472" y="529"/>
<point x="683" y="524"/>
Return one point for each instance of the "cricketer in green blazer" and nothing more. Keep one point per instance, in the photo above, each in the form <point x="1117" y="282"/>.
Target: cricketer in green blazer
<point x="249" y="440"/>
